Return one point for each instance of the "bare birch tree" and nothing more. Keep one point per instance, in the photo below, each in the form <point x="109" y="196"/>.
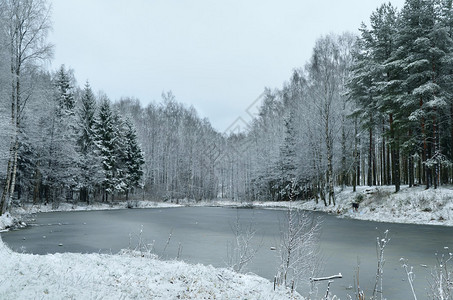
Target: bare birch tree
<point x="324" y="77"/>
<point x="26" y="24"/>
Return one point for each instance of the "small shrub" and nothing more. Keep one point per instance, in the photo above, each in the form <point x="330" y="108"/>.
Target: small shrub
<point x="359" y="198"/>
<point x="381" y="194"/>
<point x="132" y="204"/>
<point x="246" y="205"/>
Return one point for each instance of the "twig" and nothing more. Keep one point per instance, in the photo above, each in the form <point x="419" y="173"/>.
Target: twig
<point x="410" y="276"/>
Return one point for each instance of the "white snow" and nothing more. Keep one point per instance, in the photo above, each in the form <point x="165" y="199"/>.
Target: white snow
<point x="6" y="221"/>
<point x="27" y="209"/>
<point x="414" y="205"/>
<point x="124" y="276"/>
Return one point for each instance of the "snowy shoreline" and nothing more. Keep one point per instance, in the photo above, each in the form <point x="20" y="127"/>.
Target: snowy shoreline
<point x="414" y="205"/>
<point x="133" y="275"/>
<point x="128" y="275"/>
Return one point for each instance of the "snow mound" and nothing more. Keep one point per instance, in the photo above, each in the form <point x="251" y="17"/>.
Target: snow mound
<point x="6" y="221"/>
<point x="101" y="276"/>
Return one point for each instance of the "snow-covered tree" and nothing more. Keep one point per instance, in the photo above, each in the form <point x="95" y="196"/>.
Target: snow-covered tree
<point x="134" y="159"/>
<point x="90" y="164"/>
<point x="105" y="142"/>
<point x="66" y="101"/>
<point x="26" y="24"/>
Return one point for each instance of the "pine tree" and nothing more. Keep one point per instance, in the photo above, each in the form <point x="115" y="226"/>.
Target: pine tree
<point x="371" y="86"/>
<point x="420" y="54"/>
<point x="445" y="28"/>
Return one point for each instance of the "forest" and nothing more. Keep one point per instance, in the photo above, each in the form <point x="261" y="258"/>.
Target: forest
<point x="369" y="109"/>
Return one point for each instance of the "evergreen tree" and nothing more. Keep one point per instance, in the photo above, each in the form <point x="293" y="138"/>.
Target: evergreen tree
<point x="60" y="158"/>
<point x="372" y="83"/>
<point x="66" y="101"/>
<point x="287" y="163"/>
<point x="134" y="158"/>
<point x="90" y="165"/>
<point x="105" y="142"/>
<point x="420" y="54"/>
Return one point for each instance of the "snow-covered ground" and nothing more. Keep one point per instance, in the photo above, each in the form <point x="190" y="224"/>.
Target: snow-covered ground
<point x="7" y="221"/>
<point x="414" y="205"/>
<point x="129" y="275"/>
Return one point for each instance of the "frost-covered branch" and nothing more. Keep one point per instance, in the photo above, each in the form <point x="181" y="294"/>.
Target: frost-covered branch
<point x="410" y="275"/>
<point x="442" y="284"/>
<point x="381" y="242"/>
<point x="242" y="250"/>
<point x="299" y="258"/>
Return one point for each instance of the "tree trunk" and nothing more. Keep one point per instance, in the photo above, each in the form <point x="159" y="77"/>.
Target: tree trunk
<point x="355" y="154"/>
<point x="5" y="194"/>
<point x="370" y="155"/>
<point x="395" y="156"/>
<point x="426" y="174"/>
<point x="435" y="150"/>
<point x="383" y="162"/>
<point x="411" y="171"/>
<point x="451" y="136"/>
<point x="37" y="185"/>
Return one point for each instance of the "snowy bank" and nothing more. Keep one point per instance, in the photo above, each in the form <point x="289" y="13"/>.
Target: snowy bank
<point x="124" y="276"/>
<point x="28" y="209"/>
<point x="18" y="214"/>
<point x="6" y="221"/>
<point x="414" y="205"/>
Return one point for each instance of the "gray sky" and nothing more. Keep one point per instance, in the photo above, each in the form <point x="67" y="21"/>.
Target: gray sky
<point x="215" y="55"/>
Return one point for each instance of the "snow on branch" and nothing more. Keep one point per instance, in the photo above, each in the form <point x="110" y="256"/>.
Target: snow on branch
<point x="327" y="278"/>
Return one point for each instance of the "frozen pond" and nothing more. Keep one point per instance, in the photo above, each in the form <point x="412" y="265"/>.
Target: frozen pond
<point x="203" y="233"/>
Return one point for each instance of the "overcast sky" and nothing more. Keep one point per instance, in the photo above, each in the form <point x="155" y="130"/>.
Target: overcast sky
<point x="215" y="55"/>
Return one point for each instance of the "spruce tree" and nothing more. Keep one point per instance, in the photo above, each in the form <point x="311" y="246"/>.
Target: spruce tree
<point x="90" y="165"/>
<point x="287" y="164"/>
<point x="134" y="158"/>
<point x="66" y="99"/>
<point x="105" y="142"/>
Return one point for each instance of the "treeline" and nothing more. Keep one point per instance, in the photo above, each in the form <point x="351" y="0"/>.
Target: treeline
<point x="58" y="142"/>
<point x="401" y="83"/>
<point x="376" y="109"/>
<point x="373" y="109"/>
<point x="177" y="145"/>
<point x="302" y="143"/>
<point x="72" y="146"/>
